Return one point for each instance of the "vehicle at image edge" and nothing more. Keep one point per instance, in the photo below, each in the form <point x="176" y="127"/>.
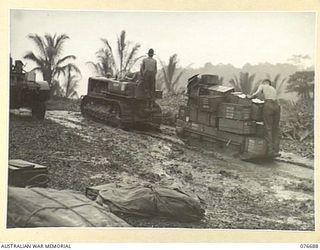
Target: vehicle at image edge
<point x="121" y="103"/>
<point x="26" y="92"/>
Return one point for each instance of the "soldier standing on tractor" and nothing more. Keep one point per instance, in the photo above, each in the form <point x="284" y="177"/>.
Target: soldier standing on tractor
<point x="148" y="71"/>
<point x="271" y="116"/>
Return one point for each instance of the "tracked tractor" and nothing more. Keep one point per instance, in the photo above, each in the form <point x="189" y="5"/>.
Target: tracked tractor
<point x="121" y="104"/>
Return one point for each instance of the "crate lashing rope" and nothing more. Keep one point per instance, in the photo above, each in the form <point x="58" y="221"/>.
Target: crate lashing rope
<point x="35" y="178"/>
<point x="63" y="206"/>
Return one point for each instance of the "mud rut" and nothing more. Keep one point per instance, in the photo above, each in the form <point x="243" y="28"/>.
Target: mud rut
<point x="236" y="194"/>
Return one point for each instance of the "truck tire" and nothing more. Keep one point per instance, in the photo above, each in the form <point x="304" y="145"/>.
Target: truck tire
<point x="39" y="110"/>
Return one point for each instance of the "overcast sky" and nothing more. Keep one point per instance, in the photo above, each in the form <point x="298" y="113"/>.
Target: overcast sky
<point x="197" y="37"/>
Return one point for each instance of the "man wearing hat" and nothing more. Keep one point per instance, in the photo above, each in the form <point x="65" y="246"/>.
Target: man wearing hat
<point x="271" y="115"/>
<point x="148" y="71"/>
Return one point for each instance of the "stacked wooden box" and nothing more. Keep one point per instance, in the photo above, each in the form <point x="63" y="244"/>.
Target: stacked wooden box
<point x="241" y="116"/>
<point x="224" y="115"/>
<point x="23" y="173"/>
<point x="204" y="97"/>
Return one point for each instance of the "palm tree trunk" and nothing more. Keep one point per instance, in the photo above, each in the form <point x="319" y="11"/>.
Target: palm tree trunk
<point x="47" y="76"/>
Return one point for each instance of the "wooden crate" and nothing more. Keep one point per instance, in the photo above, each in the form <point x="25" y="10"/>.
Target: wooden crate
<point x="192" y="102"/>
<point x="219" y="90"/>
<point x="233" y="97"/>
<point x="23" y="173"/>
<point x="209" y="130"/>
<point x="238" y="98"/>
<point x="210" y="103"/>
<point x="193" y="114"/>
<point x="237" y="126"/>
<point x="245" y="101"/>
<point x="196" y="127"/>
<point x="234" y="111"/>
<point x="256" y="146"/>
<point x="203" y="117"/>
<point x="209" y="79"/>
<point x="214" y="120"/>
<point x="231" y="137"/>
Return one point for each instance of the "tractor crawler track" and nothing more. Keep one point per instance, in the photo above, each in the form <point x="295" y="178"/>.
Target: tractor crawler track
<point x="118" y="113"/>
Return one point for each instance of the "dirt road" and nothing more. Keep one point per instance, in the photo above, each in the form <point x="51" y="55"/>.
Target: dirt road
<point x="236" y="194"/>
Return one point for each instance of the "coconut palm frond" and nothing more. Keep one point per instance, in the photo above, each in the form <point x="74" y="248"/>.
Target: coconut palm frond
<point x="39" y="43"/>
<point x="107" y="50"/>
<point x="174" y="83"/>
<point x="74" y="68"/>
<point x="93" y="65"/>
<point x="58" y="71"/>
<point x="36" y="69"/>
<point x="121" y="42"/>
<point x="281" y="84"/>
<point x="126" y="56"/>
<point x="62" y="60"/>
<point x="171" y="68"/>
<point x="235" y="83"/>
<point x="169" y="72"/>
<point x="255" y="86"/>
<point x="276" y="79"/>
<point x="180" y="75"/>
<point x="38" y="60"/>
<point x="131" y="56"/>
<point x="48" y="61"/>
<point x="59" y="41"/>
<point x="165" y="75"/>
<point x="133" y="62"/>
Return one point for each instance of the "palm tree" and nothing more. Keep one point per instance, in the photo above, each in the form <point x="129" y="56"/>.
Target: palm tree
<point x="170" y="75"/>
<point x="105" y="65"/>
<point x="71" y="83"/>
<point x="49" y="61"/>
<point x="302" y="82"/>
<point x="107" y="62"/>
<point x="245" y="82"/>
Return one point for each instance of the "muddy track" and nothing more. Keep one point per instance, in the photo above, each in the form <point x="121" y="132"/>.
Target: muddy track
<point x="236" y="194"/>
<point x="75" y="120"/>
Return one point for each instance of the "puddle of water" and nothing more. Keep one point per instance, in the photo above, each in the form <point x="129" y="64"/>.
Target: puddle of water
<point x="21" y="112"/>
<point x="69" y="119"/>
<point x="296" y="159"/>
<point x="284" y="194"/>
<point x="67" y="124"/>
<point x="65" y="118"/>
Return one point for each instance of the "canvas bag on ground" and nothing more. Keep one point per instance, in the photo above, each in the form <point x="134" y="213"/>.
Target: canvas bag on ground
<point x="151" y="201"/>
<point x="41" y="207"/>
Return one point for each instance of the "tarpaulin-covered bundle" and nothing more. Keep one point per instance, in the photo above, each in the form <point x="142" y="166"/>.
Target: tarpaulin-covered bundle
<point x="40" y="207"/>
<point x="149" y="201"/>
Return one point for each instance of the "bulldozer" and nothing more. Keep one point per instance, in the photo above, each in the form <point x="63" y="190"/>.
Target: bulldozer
<point x="26" y="92"/>
<point x="121" y="103"/>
